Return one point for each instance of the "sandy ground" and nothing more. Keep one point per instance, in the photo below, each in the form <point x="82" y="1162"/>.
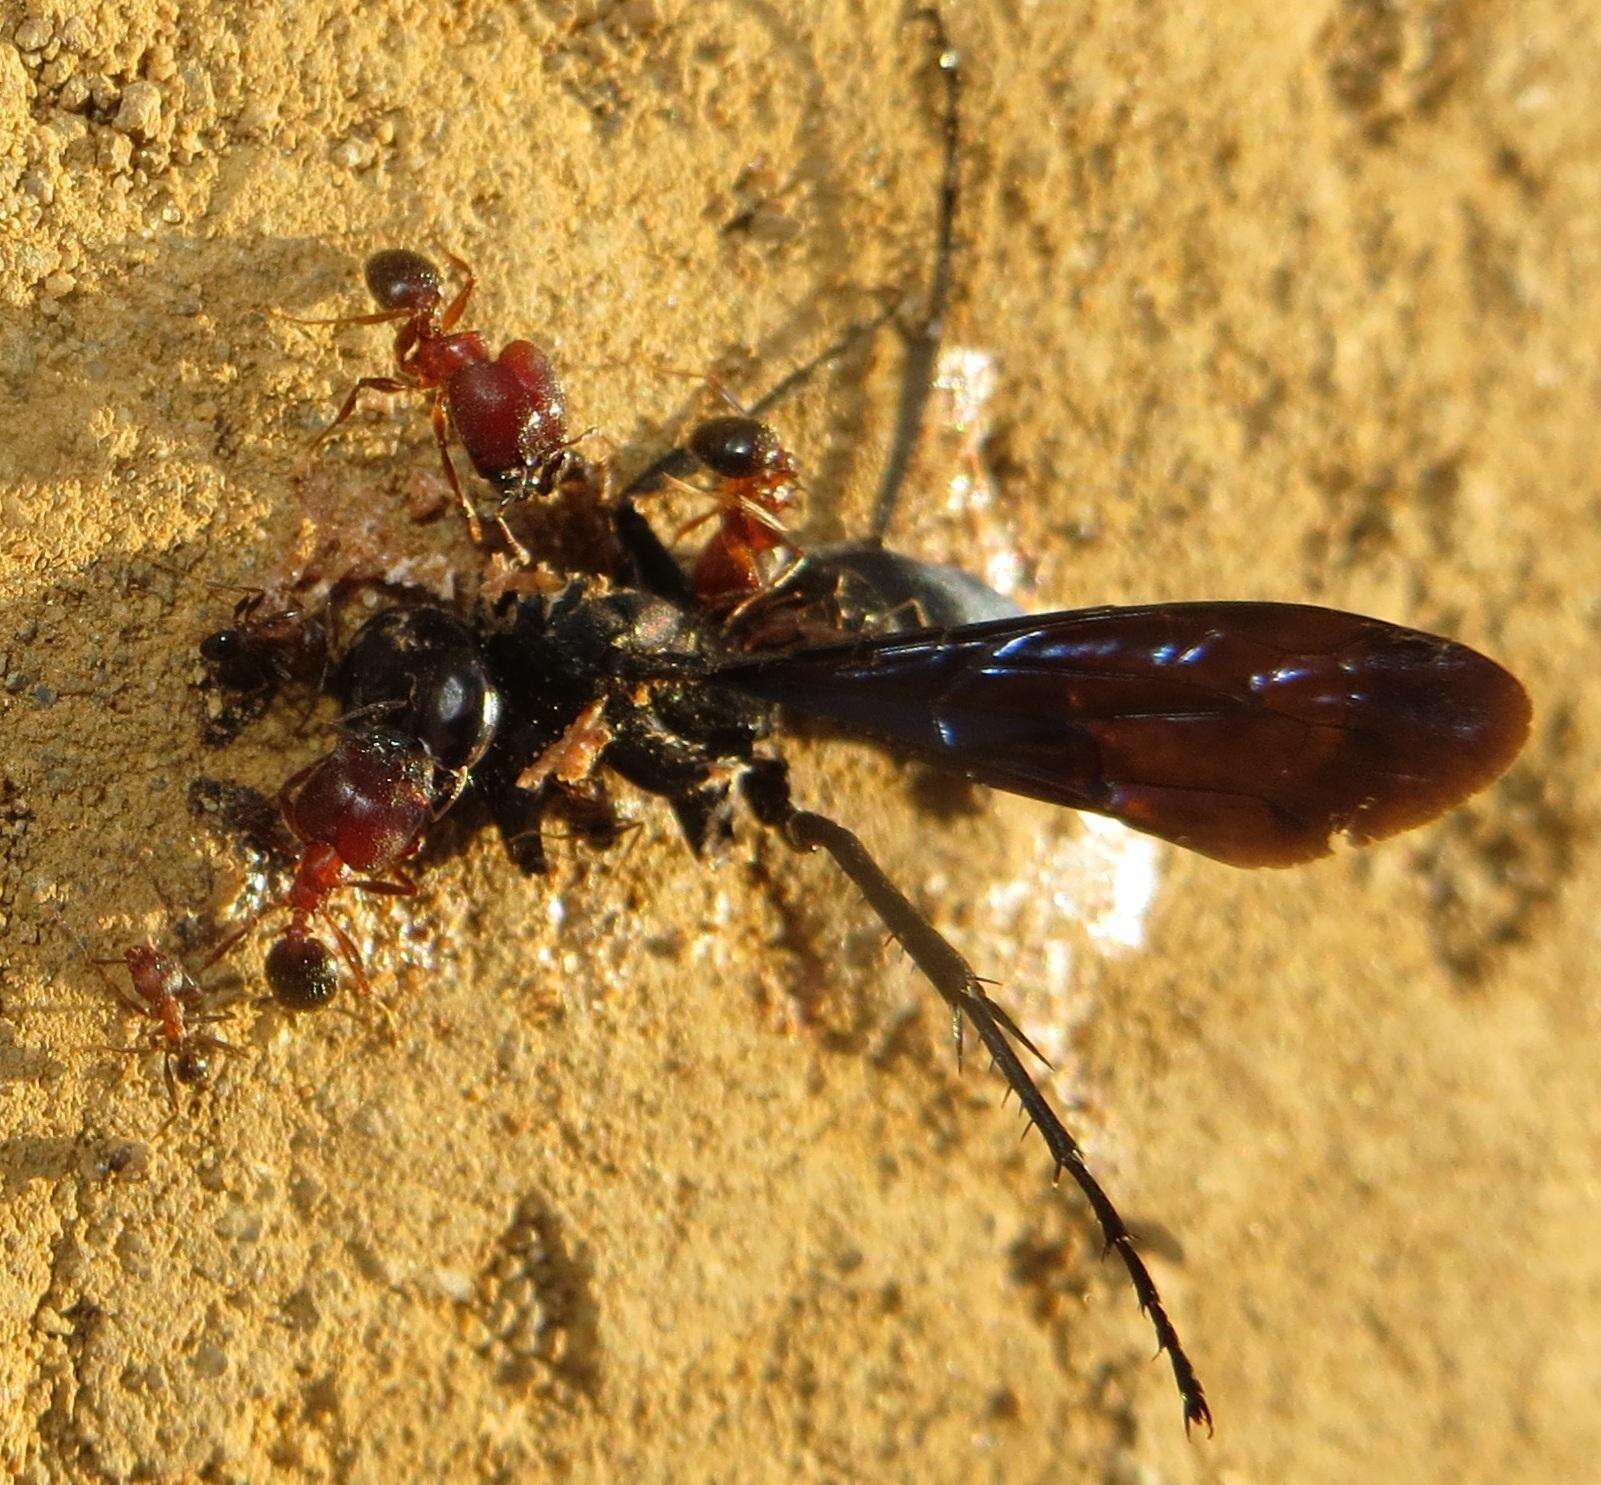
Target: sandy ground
<point x="669" y="1174"/>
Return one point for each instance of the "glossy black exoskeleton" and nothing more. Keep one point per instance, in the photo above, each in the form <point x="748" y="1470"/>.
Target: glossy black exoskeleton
<point x="420" y="671"/>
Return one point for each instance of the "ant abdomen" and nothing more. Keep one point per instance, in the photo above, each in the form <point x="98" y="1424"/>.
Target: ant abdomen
<point x="302" y="972"/>
<point x="369" y="799"/>
<point x="399" y="278"/>
<point x="191" y="1066"/>
<point x="510" y="412"/>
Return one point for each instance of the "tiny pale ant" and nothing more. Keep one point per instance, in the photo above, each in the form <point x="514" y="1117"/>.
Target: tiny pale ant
<point x="509" y="411"/>
<point x="165" y="993"/>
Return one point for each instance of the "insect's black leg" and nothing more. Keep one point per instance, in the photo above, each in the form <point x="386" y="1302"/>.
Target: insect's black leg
<point x="648" y="564"/>
<point x="923" y="342"/>
<point x="953" y="977"/>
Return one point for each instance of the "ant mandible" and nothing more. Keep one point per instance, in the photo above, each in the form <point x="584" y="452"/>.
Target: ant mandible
<point x="510" y="412"/>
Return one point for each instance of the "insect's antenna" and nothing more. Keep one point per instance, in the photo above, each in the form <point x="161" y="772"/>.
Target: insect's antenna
<point x="923" y="342"/>
<point x="950" y="974"/>
<point x="98" y="965"/>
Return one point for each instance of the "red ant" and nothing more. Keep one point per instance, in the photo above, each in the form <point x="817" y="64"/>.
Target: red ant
<point x="165" y="993"/>
<point x="509" y="412"/>
<point x="757" y="482"/>
<point x="361" y="809"/>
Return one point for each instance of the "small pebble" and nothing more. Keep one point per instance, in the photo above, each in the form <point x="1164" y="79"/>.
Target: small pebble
<point x="32" y="34"/>
<point x="353" y="153"/>
<point x="139" y="113"/>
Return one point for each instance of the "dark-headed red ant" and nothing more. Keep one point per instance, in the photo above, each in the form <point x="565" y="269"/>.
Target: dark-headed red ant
<point x="757" y="481"/>
<point x="361" y="809"/>
<point x="509" y="411"/>
<point x="166" y="993"/>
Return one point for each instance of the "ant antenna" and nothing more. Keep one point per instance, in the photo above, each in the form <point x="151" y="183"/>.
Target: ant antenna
<point x="923" y="342"/>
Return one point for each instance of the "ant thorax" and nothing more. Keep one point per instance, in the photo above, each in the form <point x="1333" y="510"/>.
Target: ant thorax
<point x="612" y="679"/>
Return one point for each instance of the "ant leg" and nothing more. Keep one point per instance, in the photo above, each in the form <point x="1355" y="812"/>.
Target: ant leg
<point x="519" y="553"/>
<point x="377" y="317"/>
<point x="350" y="953"/>
<point x="215" y="1043"/>
<point x="439" y="416"/>
<point x="127" y="997"/>
<point x="352" y="957"/>
<point x="457" y="306"/>
<point x="293" y="782"/>
<point x="405" y="887"/>
<point x="386" y="384"/>
<point x="963" y="991"/>
<point x="923" y="343"/>
<point x="228" y="944"/>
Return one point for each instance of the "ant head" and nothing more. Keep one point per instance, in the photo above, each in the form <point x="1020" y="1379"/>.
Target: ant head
<point x="233" y="659"/>
<point x="401" y="279"/>
<point x="302" y="973"/>
<point x="143" y="960"/>
<point x="191" y="1066"/>
<point x="737" y="447"/>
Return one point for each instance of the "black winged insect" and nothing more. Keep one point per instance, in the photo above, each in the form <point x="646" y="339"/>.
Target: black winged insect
<point x="1254" y="733"/>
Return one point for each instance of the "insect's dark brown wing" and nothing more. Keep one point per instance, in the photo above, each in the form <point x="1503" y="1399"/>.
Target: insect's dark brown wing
<point x="1251" y="732"/>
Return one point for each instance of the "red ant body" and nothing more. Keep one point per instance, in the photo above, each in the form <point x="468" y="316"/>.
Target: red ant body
<point x="360" y="809"/>
<point x="165" y="993"/>
<point x="757" y="481"/>
<point x="509" y="411"/>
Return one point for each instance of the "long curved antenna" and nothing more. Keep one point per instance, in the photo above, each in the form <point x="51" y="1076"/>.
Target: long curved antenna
<point x="923" y="342"/>
<point x="962" y="990"/>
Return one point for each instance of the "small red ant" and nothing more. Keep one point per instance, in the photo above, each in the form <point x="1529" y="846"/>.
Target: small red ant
<point x="509" y="412"/>
<point x="165" y="993"/>
<point x="757" y="482"/>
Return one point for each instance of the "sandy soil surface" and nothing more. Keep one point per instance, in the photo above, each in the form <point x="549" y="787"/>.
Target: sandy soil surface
<point x="668" y="1173"/>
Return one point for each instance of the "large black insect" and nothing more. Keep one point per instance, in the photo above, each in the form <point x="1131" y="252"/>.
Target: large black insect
<point x="1255" y="733"/>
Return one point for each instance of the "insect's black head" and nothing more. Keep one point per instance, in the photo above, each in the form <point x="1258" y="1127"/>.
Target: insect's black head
<point x="737" y="447"/>
<point x="401" y="279"/>
<point x="191" y="1066"/>
<point x="302" y="973"/>
<point x="234" y="660"/>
